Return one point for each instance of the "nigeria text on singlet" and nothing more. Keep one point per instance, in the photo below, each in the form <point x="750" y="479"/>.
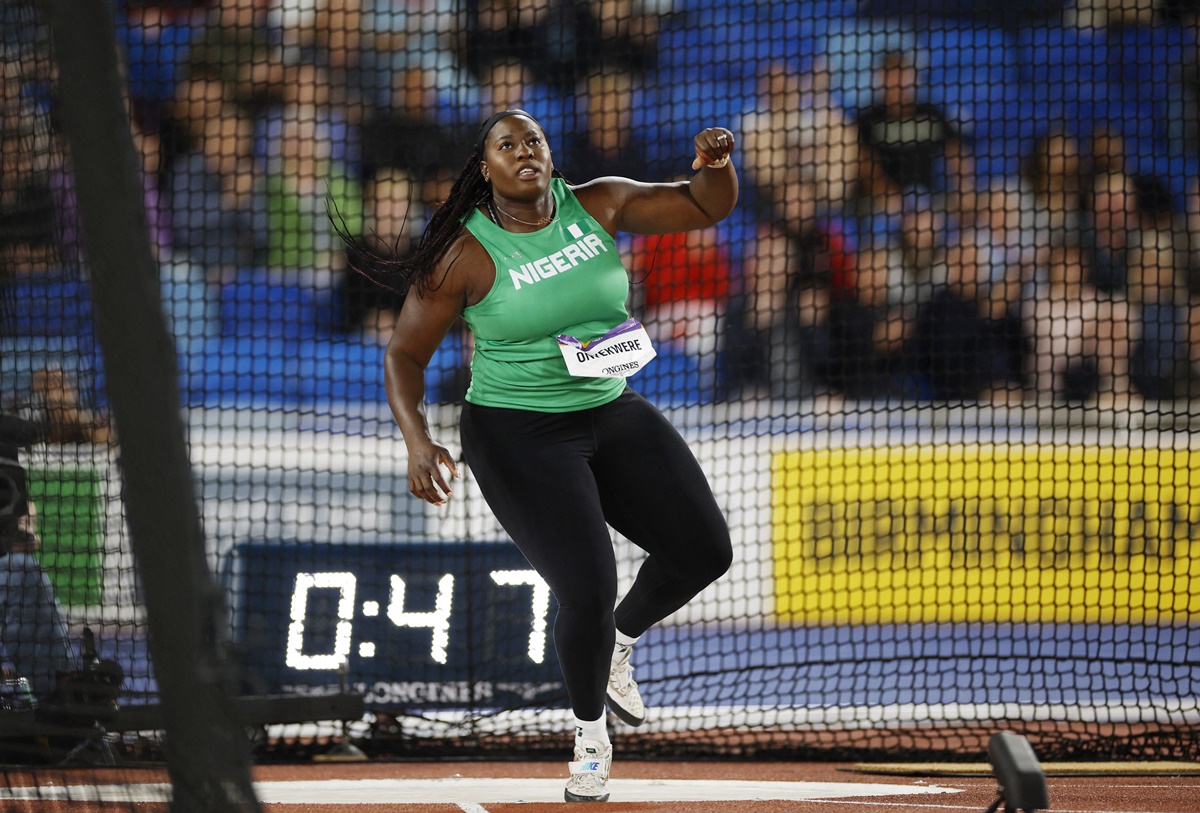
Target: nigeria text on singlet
<point x="564" y="278"/>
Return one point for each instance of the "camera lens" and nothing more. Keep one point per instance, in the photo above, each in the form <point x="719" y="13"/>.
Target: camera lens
<point x="12" y="494"/>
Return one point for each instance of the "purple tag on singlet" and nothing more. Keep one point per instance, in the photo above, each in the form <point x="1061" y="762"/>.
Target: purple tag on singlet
<point x="619" y="353"/>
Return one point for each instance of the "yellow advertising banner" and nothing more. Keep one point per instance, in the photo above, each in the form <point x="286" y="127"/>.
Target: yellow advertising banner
<point x="986" y="533"/>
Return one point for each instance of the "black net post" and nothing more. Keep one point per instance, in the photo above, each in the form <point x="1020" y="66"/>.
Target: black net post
<point x="207" y="757"/>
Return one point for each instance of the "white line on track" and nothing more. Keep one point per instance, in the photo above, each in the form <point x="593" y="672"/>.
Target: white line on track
<point x="926" y="806"/>
<point x="475" y="791"/>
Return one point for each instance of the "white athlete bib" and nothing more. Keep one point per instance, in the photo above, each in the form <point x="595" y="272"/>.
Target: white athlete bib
<point x="619" y="353"/>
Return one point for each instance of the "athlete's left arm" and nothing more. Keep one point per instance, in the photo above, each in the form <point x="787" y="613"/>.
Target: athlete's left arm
<point x="634" y="207"/>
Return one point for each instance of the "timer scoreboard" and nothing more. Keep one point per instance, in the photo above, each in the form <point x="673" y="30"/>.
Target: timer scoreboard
<point x="442" y="625"/>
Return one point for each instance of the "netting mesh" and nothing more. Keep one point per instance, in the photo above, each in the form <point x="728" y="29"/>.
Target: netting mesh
<point x="938" y="366"/>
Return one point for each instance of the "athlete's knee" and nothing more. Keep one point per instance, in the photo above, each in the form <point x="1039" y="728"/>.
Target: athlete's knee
<point x="712" y="558"/>
<point x="722" y="557"/>
<point x="592" y="603"/>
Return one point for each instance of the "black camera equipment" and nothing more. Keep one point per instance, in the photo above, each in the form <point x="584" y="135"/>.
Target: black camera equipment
<point x="1022" y="780"/>
<point x="71" y="720"/>
<point x="15" y="434"/>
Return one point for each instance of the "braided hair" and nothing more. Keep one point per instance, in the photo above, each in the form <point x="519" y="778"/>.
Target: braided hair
<point x="470" y="190"/>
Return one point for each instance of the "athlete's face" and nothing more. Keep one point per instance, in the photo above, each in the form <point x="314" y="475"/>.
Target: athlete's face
<point x="517" y="161"/>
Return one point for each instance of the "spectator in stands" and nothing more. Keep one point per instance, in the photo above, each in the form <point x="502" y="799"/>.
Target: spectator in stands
<point x="200" y="96"/>
<point x="356" y="75"/>
<point x="236" y="45"/>
<point x="30" y="228"/>
<point x="55" y="403"/>
<point x="1007" y="264"/>
<point x="30" y="234"/>
<point x="555" y="38"/>
<point x="895" y="278"/>
<point x="1079" y="337"/>
<point x="304" y="185"/>
<point x="1051" y="190"/>
<point x="605" y="143"/>
<point x="1111" y="216"/>
<point x="33" y="629"/>
<point x="158" y="218"/>
<point x="154" y="36"/>
<point x="507" y="83"/>
<point x="788" y="301"/>
<point x="308" y="94"/>
<point x="1183" y="108"/>
<point x="1106" y="150"/>
<point x="1164" y="356"/>
<point x="802" y="158"/>
<point x="995" y="229"/>
<point x="868" y="332"/>
<point x="217" y="216"/>
<point x="801" y="150"/>
<point x="410" y="133"/>
<point x="961" y="347"/>
<point x="770" y="130"/>
<point x="912" y="142"/>
<point x="685" y="281"/>
<point x="626" y="31"/>
<point x="874" y="204"/>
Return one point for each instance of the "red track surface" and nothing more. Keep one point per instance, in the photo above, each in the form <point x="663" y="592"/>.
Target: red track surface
<point x="1124" y="794"/>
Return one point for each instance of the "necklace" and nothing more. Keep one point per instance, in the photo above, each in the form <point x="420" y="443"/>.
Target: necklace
<point x="545" y="221"/>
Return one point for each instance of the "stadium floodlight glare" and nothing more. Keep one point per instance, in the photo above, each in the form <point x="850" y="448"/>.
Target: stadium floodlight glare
<point x="1016" y="767"/>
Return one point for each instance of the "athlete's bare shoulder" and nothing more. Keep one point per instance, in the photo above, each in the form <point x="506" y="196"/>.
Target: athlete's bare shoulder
<point x="602" y="198"/>
<point x="466" y="271"/>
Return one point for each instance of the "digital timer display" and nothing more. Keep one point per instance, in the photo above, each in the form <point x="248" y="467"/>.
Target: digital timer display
<point x="413" y="624"/>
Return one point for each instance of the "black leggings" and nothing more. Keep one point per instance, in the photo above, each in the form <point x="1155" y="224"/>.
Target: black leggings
<point x="556" y="481"/>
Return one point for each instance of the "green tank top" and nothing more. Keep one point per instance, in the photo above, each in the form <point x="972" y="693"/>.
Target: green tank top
<point x="565" y="278"/>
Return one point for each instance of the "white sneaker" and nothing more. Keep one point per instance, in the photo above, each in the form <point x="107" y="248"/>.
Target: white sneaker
<point x="623" y="696"/>
<point x="589" y="772"/>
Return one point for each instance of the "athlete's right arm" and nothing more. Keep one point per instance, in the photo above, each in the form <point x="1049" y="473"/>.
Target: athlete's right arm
<point x="422" y="325"/>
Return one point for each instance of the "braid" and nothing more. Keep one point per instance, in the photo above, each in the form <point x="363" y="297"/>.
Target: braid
<point x="416" y="271"/>
<point x="469" y="191"/>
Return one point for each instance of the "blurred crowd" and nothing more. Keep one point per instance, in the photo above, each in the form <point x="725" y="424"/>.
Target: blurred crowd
<point x="873" y="259"/>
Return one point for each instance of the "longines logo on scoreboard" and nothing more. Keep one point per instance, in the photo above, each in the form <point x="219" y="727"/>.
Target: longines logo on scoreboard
<point x="454" y="692"/>
<point x="986" y="533"/>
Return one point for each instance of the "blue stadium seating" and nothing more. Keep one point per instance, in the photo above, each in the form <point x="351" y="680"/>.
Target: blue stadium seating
<point x="51" y="305"/>
<point x="968" y="64"/>
<point x="852" y="46"/>
<point x="284" y="372"/>
<point x="258" y="308"/>
<point x="674" y="379"/>
<point x="349" y="371"/>
<point x="727" y="43"/>
<point x="242" y="371"/>
<point x="1063" y="64"/>
<point x="1147" y="57"/>
<point x="683" y="109"/>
